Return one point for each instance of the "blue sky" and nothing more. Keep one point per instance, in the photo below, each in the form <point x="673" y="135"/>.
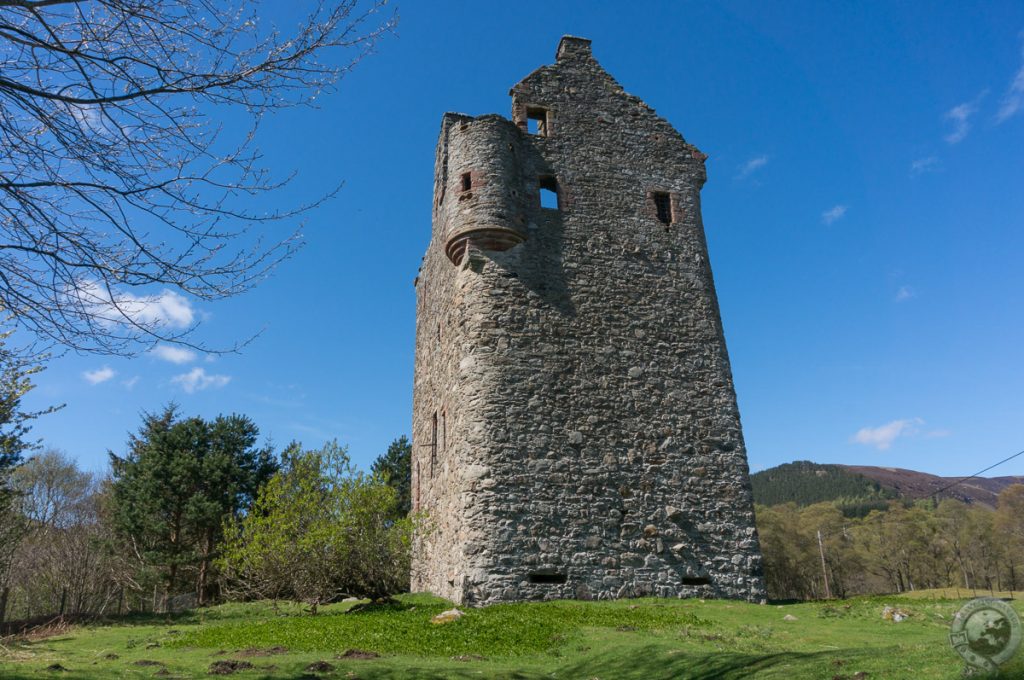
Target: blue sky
<point x="863" y="213"/>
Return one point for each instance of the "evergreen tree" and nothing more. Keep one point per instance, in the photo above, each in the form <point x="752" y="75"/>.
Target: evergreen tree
<point x="395" y="466"/>
<point x="178" y="483"/>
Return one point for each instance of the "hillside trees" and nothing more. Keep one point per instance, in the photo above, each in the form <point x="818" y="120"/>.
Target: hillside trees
<point x="905" y="547"/>
<point x="319" y="530"/>
<point x="178" y="482"/>
<point x="128" y="166"/>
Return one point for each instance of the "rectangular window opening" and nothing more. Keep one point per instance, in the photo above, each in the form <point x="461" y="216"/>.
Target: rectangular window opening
<point x="537" y="121"/>
<point x="696" y="581"/>
<point x="548" y="186"/>
<point x="467" y="181"/>
<point x="547" y="578"/>
<point x="444" y="429"/>
<point x="663" y="206"/>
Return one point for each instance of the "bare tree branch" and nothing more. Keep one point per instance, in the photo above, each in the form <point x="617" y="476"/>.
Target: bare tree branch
<point x="115" y="174"/>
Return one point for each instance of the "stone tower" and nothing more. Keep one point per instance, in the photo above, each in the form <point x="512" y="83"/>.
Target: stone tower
<point x="575" y="428"/>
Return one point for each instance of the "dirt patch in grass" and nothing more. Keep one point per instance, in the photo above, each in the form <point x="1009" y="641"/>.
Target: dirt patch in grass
<point x="358" y="655"/>
<point x="319" y="667"/>
<point x="146" y="662"/>
<point x="229" y="667"/>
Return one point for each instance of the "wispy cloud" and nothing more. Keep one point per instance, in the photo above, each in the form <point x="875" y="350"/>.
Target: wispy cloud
<point x="198" y="379"/>
<point x="921" y="165"/>
<point x="131" y="382"/>
<point x="99" y="375"/>
<point x="176" y="355"/>
<point x="751" y="166"/>
<point x="164" y="309"/>
<point x="883" y="436"/>
<point x="833" y="214"/>
<point x="905" y="293"/>
<point x="1013" y="100"/>
<point x="960" y="117"/>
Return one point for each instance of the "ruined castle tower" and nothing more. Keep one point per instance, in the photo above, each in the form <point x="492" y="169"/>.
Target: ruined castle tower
<point x="575" y="429"/>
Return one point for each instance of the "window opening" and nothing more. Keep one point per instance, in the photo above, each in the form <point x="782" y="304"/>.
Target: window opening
<point x="547" y="578"/>
<point x="663" y="206"/>
<point x="537" y="121"/>
<point x="467" y="181"/>
<point x="548" y="186"/>
<point x="433" y="443"/>
<point x="444" y="429"/>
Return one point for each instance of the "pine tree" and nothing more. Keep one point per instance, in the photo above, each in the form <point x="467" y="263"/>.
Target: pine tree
<point x="178" y="483"/>
<point x="395" y="466"/>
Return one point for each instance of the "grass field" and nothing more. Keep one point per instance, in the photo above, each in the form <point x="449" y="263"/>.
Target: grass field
<point x="644" y="638"/>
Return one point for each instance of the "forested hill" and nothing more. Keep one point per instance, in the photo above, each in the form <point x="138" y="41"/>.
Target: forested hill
<point x="861" y="488"/>
<point x="804" y="483"/>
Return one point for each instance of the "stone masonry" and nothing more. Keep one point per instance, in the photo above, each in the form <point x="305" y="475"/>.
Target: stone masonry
<point x="575" y="428"/>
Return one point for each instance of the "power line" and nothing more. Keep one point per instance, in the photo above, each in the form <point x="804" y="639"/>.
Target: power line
<point x="979" y="472"/>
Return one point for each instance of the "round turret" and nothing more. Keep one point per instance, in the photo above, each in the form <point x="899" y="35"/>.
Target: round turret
<point x="482" y="202"/>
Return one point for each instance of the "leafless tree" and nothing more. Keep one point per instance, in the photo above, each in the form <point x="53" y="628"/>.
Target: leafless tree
<point x="124" y="173"/>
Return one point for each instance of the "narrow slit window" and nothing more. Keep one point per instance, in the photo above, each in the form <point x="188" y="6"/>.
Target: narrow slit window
<point x="547" y="578"/>
<point x="663" y="206"/>
<point x="433" y="444"/>
<point x="467" y="181"/>
<point x="444" y="429"/>
<point x="537" y="121"/>
<point x="548" y="187"/>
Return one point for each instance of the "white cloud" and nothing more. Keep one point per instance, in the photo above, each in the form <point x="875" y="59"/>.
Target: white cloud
<point x="960" y="116"/>
<point x="197" y="379"/>
<point x="130" y="382"/>
<point x="928" y="164"/>
<point x="176" y="355"/>
<point x="883" y="436"/>
<point x="934" y="434"/>
<point x="834" y="213"/>
<point x="905" y="293"/>
<point x="752" y="165"/>
<point x="165" y="309"/>
<point x="99" y="375"/>
<point x="1013" y="100"/>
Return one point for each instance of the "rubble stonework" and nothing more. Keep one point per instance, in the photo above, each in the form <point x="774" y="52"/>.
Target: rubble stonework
<point x="575" y="428"/>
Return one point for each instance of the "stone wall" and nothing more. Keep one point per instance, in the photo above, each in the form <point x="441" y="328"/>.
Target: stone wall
<point x="588" y="440"/>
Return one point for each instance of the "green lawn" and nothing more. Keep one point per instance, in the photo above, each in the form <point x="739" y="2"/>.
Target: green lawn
<point x="643" y="638"/>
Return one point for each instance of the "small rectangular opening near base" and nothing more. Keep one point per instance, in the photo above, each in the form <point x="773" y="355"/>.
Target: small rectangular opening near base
<point x="696" y="581"/>
<point x="547" y="578"/>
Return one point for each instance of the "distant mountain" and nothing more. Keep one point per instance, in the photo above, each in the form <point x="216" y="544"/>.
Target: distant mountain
<point x="805" y="483"/>
<point x="859" y="488"/>
<point x="913" y="484"/>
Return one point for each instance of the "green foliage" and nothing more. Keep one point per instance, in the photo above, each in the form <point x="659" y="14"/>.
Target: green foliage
<point x="179" y="481"/>
<point x="319" y="530"/>
<point x="806" y="483"/>
<point x="395" y="466"/>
